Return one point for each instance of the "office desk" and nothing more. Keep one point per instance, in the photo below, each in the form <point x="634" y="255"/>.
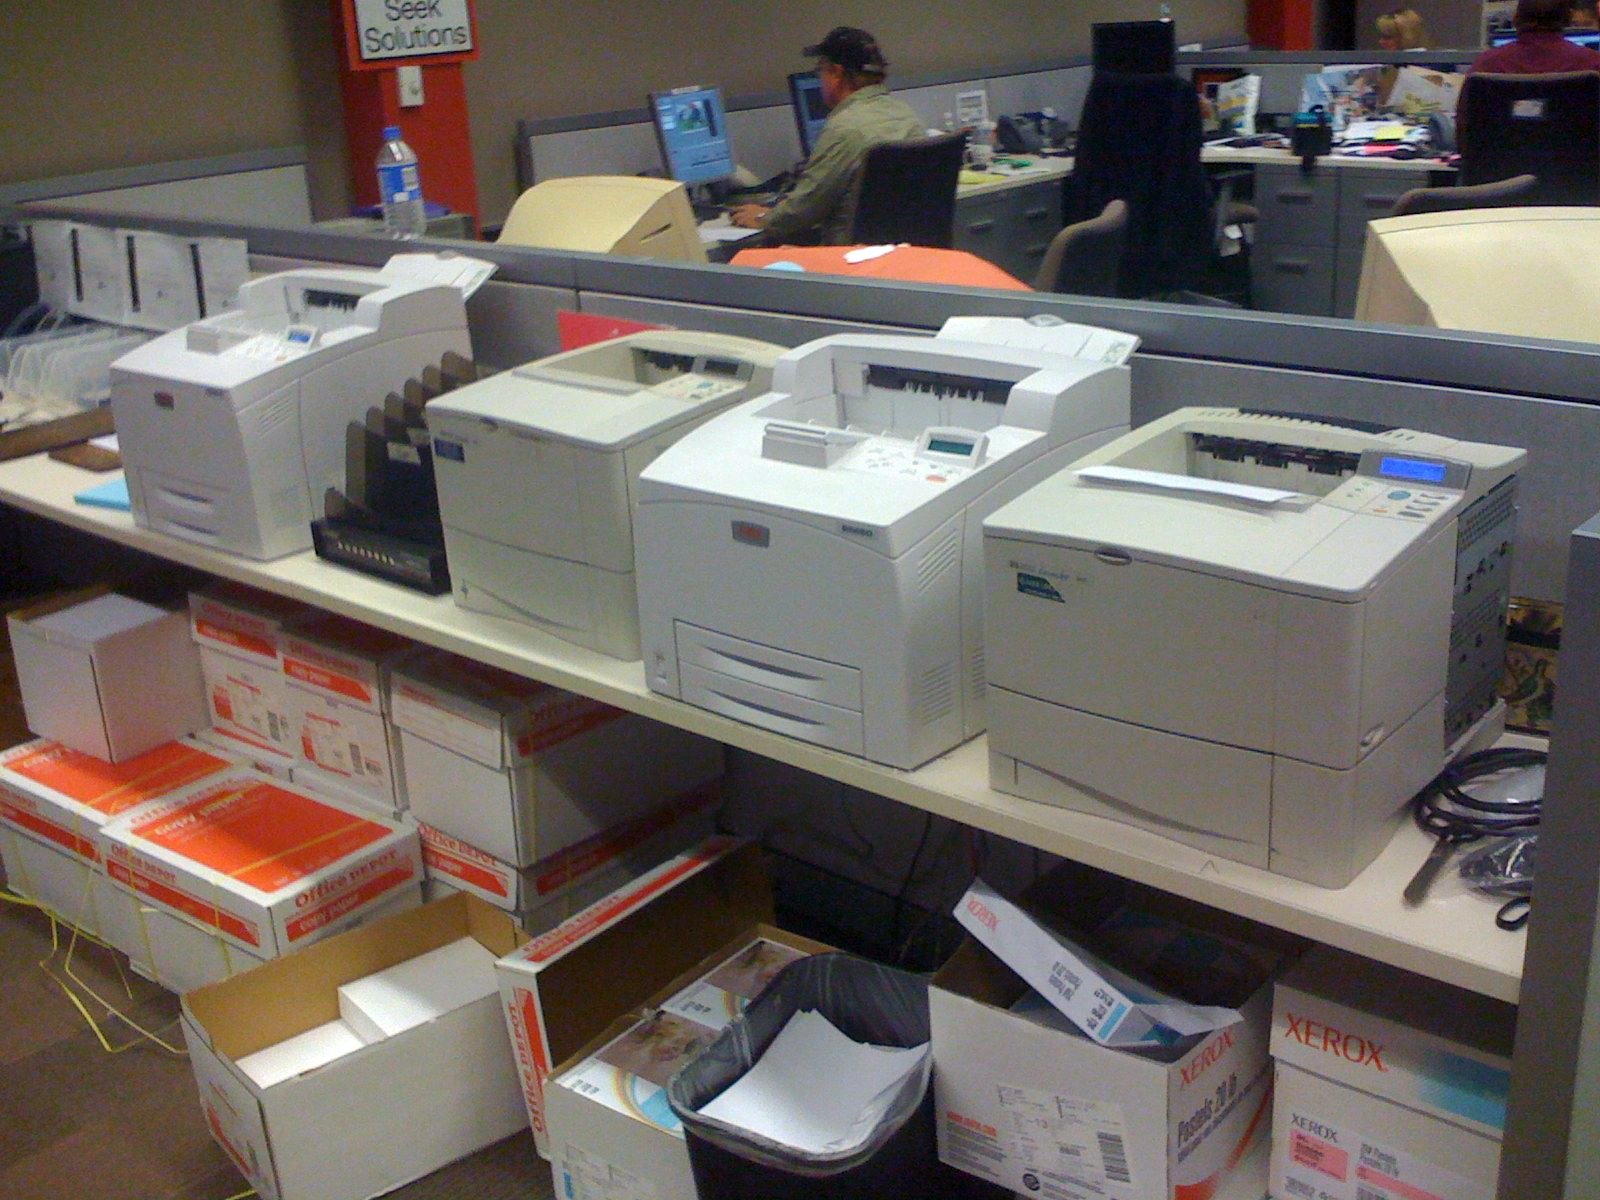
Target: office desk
<point x="1010" y="219"/>
<point x="1313" y="225"/>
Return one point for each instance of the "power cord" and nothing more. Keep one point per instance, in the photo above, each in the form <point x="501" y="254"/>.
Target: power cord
<point x="1452" y="814"/>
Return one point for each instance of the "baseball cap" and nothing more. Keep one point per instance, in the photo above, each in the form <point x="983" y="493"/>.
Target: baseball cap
<point x="851" y="48"/>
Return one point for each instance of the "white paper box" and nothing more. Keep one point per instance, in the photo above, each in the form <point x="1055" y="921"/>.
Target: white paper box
<point x="308" y="1051"/>
<point x="243" y="622"/>
<point x="609" y="859"/>
<point x="112" y="676"/>
<point x="378" y="1117"/>
<point x="180" y="955"/>
<point x="337" y="671"/>
<point x="248" y="705"/>
<point x="419" y="990"/>
<point x="269" y="866"/>
<point x="1389" y="1085"/>
<point x="522" y="770"/>
<point x="72" y="889"/>
<point x="1039" y="1108"/>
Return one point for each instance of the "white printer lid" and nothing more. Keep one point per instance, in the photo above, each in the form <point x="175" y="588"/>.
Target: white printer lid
<point x="598" y="415"/>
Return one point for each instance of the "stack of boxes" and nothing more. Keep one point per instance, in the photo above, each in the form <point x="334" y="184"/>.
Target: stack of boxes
<point x="537" y="800"/>
<point x="240" y="634"/>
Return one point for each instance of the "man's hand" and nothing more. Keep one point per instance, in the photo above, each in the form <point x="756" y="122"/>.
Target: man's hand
<point x="749" y="216"/>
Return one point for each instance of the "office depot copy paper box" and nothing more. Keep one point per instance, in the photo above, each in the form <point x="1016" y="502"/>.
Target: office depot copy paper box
<point x="240" y="633"/>
<point x="1027" y="1101"/>
<point x="243" y="622"/>
<point x="522" y="770"/>
<point x="607" y="860"/>
<point x="53" y="802"/>
<point x="372" y="1118"/>
<point x="1389" y="1086"/>
<point x="267" y="865"/>
<point x="337" y="671"/>
<point x="110" y="676"/>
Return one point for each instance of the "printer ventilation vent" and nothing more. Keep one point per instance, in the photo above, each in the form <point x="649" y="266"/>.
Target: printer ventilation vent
<point x="1484" y="536"/>
<point x="936" y="692"/>
<point x="939" y="560"/>
<point x="275" y="412"/>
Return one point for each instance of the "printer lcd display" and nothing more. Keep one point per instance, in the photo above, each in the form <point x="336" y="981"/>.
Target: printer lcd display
<point x="949" y="446"/>
<point x="1414" y="470"/>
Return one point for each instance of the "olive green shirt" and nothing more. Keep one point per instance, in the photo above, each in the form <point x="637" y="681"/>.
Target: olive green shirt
<point x="821" y="206"/>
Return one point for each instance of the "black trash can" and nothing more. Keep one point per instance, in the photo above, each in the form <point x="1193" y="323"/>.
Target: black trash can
<point x="866" y="1002"/>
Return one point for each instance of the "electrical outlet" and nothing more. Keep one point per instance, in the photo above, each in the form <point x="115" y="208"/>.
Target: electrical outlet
<point x="410" y="79"/>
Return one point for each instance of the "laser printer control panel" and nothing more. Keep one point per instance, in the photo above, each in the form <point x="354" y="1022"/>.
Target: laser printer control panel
<point x="696" y="389"/>
<point x="1403" y="487"/>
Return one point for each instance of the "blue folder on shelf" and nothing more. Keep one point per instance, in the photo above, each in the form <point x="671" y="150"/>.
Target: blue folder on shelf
<point x="113" y="493"/>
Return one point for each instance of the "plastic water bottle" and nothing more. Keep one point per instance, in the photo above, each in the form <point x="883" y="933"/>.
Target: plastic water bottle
<point x="400" y="188"/>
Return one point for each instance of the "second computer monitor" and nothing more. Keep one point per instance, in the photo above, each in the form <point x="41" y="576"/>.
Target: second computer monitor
<point x="810" y="111"/>
<point x="692" y="129"/>
<point x="1134" y="47"/>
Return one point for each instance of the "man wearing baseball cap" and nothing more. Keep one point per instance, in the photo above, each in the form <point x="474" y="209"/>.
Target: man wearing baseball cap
<point x="861" y="114"/>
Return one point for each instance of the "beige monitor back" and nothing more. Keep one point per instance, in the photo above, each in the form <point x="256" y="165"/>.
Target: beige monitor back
<point x="1527" y="271"/>
<point x="607" y="214"/>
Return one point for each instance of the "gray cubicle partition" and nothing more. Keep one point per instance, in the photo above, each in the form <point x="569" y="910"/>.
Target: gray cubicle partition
<point x="1542" y="395"/>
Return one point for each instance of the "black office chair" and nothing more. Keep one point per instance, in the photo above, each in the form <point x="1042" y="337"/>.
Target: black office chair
<point x="1139" y="142"/>
<point x="1504" y="194"/>
<point x="906" y="192"/>
<point x="1547" y="125"/>
<point x="1085" y="258"/>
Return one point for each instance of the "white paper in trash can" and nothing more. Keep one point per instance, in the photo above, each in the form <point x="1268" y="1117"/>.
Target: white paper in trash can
<point x="816" y="1090"/>
<point x="1109" y="1006"/>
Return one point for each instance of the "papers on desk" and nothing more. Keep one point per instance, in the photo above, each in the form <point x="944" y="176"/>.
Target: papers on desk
<point x="816" y="1090"/>
<point x="725" y="233"/>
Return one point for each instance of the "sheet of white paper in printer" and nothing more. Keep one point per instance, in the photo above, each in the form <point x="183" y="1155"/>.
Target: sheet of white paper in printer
<point x="233" y="427"/>
<point x="538" y="469"/>
<point x="1255" y="633"/>
<point x="809" y="561"/>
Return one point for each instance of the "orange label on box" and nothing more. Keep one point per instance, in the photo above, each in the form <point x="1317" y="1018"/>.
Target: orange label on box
<point x="111" y="788"/>
<point x="237" y="638"/>
<point x="181" y="901"/>
<point x="326" y="914"/>
<point x="327" y="680"/>
<point x="14" y="812"/>
<point x="260" y="834"/>
<point x="586" y="857"/>
<point x="455" y="866"/>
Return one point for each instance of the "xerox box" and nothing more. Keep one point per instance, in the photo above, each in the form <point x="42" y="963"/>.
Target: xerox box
<point x="522" y="770"/>
<point x="337" y="671"/>
<point x="1389" y="1086"/>
<point x="267" y="865"/>
<point x="240" y="632"/>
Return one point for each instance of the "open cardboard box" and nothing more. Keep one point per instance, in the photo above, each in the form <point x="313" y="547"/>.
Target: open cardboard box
<point x="1030" y="1107"/>
<point x="567" y="991"/>
<point x="379" y="1117"/>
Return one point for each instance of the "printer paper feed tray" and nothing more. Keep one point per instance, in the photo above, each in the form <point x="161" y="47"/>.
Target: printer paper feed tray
<point x="783" y="671"/>
<point x="781" y="712"/>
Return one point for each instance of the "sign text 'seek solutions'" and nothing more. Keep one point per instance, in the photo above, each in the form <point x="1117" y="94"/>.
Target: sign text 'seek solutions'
<point x="411" y="29"/>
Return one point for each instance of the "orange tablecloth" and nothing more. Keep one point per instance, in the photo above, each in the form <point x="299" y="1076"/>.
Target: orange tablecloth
<point x="916" y="264"/>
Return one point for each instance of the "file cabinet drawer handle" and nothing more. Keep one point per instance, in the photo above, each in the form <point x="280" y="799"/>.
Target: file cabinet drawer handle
<point x="1036" y="214"/>
<point x="1295" y="196"/>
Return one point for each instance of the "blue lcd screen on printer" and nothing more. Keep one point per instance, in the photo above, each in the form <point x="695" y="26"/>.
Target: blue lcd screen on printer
<point x="1413" y="469"/>
<point x="945" y="446"/>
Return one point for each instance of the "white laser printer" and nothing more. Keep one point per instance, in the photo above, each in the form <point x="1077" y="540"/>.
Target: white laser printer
<point x="231" y="428"/>
<point x="537" y="469"/>
<point x="809" y="562"/>
<point x="1256" y="634"/>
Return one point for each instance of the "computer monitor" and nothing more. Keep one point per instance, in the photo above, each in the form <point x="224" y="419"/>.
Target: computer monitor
<point x="1489" y="270"/>
<point x="1578" y="37"/>
<point x="692" y="129"/>
<point x="1135" y="47"/>
<point x="810" y="113"/>
<point x="607" y="214"/>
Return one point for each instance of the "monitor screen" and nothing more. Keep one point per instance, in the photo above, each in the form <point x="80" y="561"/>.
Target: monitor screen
<point x="1578" y="37"/>
<point x="810" y="113"/>
<point x="1135" y="47"/>
<point x="692" y="128"/>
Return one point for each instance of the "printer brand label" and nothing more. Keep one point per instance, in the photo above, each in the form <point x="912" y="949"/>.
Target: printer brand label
<point x="1343" y="1164"/>
<point x="1037" y="585"/>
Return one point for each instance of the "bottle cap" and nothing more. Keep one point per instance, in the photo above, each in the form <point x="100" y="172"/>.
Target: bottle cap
<point x="391" y="133"/>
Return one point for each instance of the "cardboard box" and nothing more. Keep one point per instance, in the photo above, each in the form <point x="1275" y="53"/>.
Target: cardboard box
<point x="337" y="672"/>
<point x="240" y="632"/>
<point x="522" y="770"/>
<point x="1030" y="1103"/>
<point x="1390" y="1086"/>
<point x="570" y="991"/>
<point x="607" y="860"/>
<point x="54" y="801"/>
<point x="267" y="865"/>
<point x="180" y="955"/>
<point x="373" y="1119"/>
<point x="110" y="676"/>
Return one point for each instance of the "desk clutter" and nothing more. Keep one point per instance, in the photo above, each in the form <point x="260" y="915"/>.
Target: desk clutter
<point x="386" y="877"/>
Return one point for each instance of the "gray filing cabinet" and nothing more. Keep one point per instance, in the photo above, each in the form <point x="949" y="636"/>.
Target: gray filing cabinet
<point x="1012" y="227"/>
<point x="1313" y="227"/>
